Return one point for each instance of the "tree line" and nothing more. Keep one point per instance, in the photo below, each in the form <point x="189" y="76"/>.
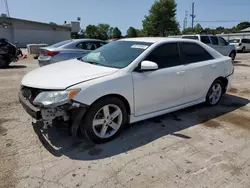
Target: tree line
<point x="219" y="30"/>
<point x="160" y="21"/>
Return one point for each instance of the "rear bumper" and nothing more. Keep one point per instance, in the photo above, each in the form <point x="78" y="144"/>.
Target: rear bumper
<point x="29" y="108"/>
<point x="238" y="48"/>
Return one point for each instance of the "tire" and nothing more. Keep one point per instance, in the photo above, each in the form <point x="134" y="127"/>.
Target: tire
<point x="212" y="99"/>
<point x="243" y="50"/>
<point x="232" y="55"/>
<point x="3" y="63"/>
<point x="103" y="131"/>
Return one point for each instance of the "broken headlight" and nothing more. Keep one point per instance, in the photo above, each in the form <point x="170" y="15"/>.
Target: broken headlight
<point x="54" y="98"/>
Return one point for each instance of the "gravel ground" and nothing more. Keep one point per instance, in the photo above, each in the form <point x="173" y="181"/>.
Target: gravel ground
<point x="198" y="147"/>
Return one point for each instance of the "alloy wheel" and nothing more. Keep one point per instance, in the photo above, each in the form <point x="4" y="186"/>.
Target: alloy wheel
<point x="107" y="121"/>
<point x="215" y="94"/>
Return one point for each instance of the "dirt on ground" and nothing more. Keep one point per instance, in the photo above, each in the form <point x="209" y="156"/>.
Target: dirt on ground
<point x="198" y="147"/>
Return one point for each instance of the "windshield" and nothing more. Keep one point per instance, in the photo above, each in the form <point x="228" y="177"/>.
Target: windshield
<point x="234" y="41"/>
<point x="117" y="54"/>
<point x="60" y="43"/>
<point x="191" y="37"/>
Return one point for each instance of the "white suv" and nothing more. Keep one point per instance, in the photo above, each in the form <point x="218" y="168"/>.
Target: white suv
<point x="124" y="82"/>
<point x="218" y="43"/>
<point x="241" y="45"/>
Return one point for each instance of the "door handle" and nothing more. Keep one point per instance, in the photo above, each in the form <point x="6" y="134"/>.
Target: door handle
<point x="180" y="73"/>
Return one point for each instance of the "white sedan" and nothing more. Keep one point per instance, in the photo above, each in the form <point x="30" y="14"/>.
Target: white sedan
<point x="124" y="82"/>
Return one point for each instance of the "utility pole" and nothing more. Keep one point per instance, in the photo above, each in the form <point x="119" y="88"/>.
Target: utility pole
<point x="7" y="8"/>
<point x="185" y="20"/>
<point x="192" y="15"/>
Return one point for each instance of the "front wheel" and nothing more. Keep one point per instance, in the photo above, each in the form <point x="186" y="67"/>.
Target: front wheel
<point x="243" y="50"/>
<point x="232" y="55"/>
<point x="104" y="120"/>
<point x="215" y="93"/>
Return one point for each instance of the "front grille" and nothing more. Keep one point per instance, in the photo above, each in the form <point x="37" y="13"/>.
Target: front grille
<point x="30" y="93"/>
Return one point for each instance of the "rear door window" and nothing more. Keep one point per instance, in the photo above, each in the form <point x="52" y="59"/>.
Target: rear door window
<point x="205" y="39"/>
<point x="214" y="40"/>
<point x="86" y="46"/>
<point x="191" y="37"/>
<point x="100" y="44"/>
<point x="193" y="53"/>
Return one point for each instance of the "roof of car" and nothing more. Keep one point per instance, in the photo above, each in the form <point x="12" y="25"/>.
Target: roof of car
<point x="154" y="39"/>
<point x="77" y="40"/>
<point x="209" y="35"/>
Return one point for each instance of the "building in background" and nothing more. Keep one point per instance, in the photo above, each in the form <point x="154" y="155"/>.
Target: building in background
<point x="31" y="32"/>
<point x="245" y="33"/>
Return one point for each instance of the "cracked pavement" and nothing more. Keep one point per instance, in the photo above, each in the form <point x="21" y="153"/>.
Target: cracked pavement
<point x="198" y="147"/>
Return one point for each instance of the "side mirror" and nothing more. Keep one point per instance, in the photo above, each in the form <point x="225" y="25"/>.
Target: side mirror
<point x="148" y="66"/>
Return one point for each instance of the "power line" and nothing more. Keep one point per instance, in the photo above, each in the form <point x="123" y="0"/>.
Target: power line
<point x="222" y="21"/>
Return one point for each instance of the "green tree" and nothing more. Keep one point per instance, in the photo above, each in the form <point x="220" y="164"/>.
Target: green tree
<point x="91" y="31"/>
<point x="188" y="30"/>
<point x="131" y="32"/>
<point x="52" y="23"/>
<point x="243" y="25"/>
<point x="140" y="33"/>
<point x="102" y="30"/>
<point x="117" y="33"/>
<point x="82" y="34"/>
<point x="161" y="20"/>
<point x="198" y="28"/>
<point x="110" y="32"/>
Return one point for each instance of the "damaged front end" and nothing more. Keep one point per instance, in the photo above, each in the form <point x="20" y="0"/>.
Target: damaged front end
<point x="47" y="106"/>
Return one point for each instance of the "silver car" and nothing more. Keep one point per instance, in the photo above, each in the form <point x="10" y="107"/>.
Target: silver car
<point x="68" y="49"/>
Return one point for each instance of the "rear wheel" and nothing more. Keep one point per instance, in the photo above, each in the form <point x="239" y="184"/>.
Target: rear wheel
<point x="215" y="93"/>
<point x="3" y="62"/>
<point x="243" y="50"/>
<point x="104" y="120"/>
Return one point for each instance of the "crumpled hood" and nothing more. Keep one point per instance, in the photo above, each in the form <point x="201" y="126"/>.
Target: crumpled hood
<point x="64" y="74"/>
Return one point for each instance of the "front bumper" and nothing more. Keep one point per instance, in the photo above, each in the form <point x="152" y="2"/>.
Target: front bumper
<point x="29" y="108"/>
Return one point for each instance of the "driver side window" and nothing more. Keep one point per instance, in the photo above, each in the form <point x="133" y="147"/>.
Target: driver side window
<point x="165" y="55"/>
<point x="222" y="42"/>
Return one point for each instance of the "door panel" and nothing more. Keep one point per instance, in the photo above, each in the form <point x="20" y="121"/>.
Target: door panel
<point x="215" y="44"/>
<point x="224" y="47"/>
<point x="163" y="88"/>
<point x="158" y="90"/>
<point x="199" y="77"/>
<point x="200" y="67"/>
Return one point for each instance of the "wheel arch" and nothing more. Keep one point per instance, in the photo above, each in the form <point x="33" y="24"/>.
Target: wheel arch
<point x="120" y="97"/>
<point x="233" y="51"/>
<point x="224" y="82"/>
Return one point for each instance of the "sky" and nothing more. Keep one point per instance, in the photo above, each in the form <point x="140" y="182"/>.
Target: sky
<point x="126" y="13"/>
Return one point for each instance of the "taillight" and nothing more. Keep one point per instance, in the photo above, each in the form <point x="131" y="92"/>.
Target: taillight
<point x="50" y="53"/>
<point x="240" y="44"/>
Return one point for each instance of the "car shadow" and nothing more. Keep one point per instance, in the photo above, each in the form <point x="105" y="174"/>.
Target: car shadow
<point x="16" y="67"/>
<point x="58" y="142"/>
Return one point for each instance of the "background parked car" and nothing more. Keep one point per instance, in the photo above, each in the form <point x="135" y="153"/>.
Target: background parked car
<point x="8" y="53"/>
<point x="217" y="43"/>
<point x="68" y="49"/>
<point x="241" y="45"/>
